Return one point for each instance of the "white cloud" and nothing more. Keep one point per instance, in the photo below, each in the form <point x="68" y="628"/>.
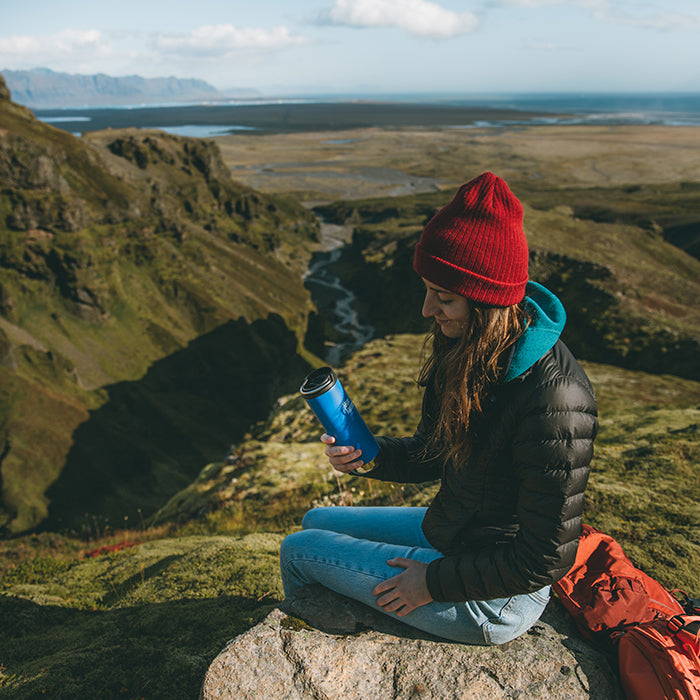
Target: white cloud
<point x="588" y="4"/>
<point x="66" y="45"/>
<point x="225" y="39"/>
<point x="644" y="15"/>
<point x="417" y="17"/>
<point x="665" y="21"/>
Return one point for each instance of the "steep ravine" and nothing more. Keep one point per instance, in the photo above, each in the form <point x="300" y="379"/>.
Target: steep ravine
<point x="152" y="436"/>
<point x="337" y="330"/>
<point x="631" y="297"/>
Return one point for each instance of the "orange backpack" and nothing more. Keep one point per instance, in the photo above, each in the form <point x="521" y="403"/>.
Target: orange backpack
<point x="604" y="591"/>
<point x="629" y="614"/>
<point x="659" y="660"/>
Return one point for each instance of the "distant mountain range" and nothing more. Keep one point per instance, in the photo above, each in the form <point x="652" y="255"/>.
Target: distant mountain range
<point x="42" y="88"/>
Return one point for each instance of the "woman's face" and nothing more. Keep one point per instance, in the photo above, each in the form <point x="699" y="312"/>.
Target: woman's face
<point x="450" y="310"/>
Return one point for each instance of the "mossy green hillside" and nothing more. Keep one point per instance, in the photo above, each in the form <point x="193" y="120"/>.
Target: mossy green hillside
<point x="151" y="609"/>
<point x="117" y="252"/>
<point x="190" y="264"/>
<point x="151" y="437"/>
<point x="143" y="621"/>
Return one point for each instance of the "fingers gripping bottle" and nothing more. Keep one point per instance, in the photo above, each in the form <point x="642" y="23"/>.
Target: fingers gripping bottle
<point x="328" y="399"/>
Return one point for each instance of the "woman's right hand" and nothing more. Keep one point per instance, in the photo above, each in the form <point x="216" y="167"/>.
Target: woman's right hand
<point x="343" y="458"/>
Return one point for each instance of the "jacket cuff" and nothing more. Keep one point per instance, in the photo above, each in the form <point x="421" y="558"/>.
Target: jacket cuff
<point x="364" y="470"/>
<point x="432" y="580"/>
<point x="367" y="469"/>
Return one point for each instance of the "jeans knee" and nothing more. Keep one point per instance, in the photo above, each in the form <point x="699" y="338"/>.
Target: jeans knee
<point x="313" y="519"/>
<point x="515" y="618"/>
<point x="291" y="544"/>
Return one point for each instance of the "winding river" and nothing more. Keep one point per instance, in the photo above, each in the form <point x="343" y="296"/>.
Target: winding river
<point x="332" y="299"/>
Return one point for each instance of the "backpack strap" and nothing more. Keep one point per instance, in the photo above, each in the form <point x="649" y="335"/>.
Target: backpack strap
<point x="690" y="605"/>
<point x="687" y="632"/>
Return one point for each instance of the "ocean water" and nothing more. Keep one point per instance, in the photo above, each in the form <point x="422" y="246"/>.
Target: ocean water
<point x="458" y="112"/>
<point x="670" y="109"/>
<point x="666" y="109"/>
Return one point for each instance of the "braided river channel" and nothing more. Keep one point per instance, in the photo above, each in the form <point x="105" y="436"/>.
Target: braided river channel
<point x="332" y="299"/>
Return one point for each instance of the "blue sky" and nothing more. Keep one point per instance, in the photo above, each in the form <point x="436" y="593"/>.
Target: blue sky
<point x="283" y="47"/>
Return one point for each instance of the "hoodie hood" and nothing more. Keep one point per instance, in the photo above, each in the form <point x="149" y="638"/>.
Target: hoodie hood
<point x="548" y="319"/>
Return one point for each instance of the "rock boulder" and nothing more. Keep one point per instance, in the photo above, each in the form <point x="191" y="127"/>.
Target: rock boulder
<point x="320" y="645"/>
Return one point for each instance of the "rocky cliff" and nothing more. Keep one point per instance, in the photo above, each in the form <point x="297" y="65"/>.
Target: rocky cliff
<point x="116" y="253"/>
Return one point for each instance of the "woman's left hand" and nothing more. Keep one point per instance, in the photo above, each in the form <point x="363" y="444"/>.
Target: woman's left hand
<point x="405" y="591"/>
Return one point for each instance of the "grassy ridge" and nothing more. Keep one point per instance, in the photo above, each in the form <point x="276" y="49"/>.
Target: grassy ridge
<point x="147" y="613"/>
<point x="667" y="208"/>
<point x="138" y="621"/>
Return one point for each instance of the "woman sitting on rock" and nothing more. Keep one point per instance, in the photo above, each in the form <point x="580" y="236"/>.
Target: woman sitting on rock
<point x="508" y="423"/>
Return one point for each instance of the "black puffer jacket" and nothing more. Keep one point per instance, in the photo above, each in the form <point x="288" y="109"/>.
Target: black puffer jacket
<point x="507" y="521"/>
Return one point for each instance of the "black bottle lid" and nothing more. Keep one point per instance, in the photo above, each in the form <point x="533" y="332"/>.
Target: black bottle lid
<point x="318" y="382"/>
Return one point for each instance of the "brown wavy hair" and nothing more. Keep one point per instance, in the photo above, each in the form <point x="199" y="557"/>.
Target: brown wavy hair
<point x="462" y="370"/>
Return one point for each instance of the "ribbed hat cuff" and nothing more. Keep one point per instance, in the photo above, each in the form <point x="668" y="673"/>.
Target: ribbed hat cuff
<point x="465" y="282"/>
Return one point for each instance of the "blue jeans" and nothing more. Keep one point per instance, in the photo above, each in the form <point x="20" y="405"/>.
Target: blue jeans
<point x="346" y="550"/>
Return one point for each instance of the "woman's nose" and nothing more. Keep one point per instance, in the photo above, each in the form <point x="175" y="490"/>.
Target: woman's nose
<point x="429" y="306"/>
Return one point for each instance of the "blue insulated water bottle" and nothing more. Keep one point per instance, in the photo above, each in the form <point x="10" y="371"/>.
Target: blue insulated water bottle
<point x="328" y="399"/>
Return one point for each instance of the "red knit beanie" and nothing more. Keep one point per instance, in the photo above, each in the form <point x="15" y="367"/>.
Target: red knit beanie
<point x="475" y="246"/>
